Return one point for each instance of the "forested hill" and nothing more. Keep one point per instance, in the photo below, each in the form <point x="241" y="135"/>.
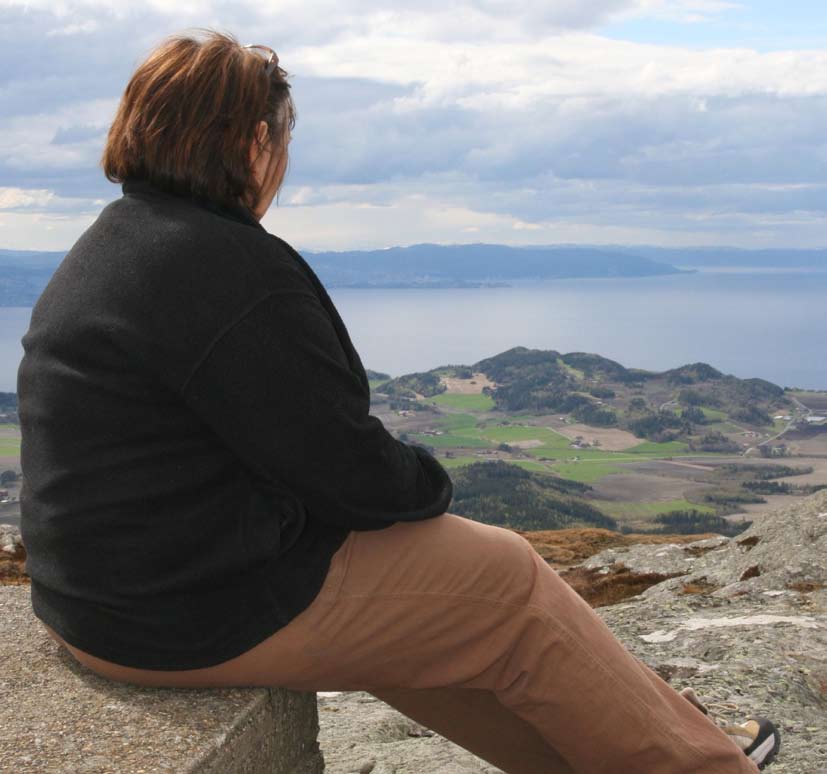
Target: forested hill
<point x="659" y="406"/>
<point x="710" y="257"/>
<point x="429" y="264"/>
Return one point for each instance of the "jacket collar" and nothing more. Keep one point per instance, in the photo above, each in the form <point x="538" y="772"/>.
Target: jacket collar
<point x="238" y="213"/>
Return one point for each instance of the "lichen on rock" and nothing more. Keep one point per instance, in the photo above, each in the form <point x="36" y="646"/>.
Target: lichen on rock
<point x="752" y="636"/>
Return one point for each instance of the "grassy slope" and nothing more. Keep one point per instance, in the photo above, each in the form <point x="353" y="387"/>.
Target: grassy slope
<point x="462" y="431"/>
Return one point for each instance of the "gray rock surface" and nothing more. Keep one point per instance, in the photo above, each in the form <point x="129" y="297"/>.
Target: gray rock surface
<point x="58" y="716"/>
<point x="359" y="734"/>
<point x="10" y="540"/>
<point x="663" y="559"/>
<point x="745" y="626"/>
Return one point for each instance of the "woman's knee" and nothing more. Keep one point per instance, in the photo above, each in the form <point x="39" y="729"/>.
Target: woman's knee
<point x="507" y="559"/>
<point x="448" y="554"/>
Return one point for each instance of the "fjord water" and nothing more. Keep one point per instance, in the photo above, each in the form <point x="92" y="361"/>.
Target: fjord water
<point x="771" y="325"/>
<point x="768" y="324"/>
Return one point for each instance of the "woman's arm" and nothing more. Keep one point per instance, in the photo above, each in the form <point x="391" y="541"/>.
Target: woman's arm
<point x="279" y="391"/>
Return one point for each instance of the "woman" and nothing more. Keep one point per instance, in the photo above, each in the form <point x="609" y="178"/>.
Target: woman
<point x="208" y="502"/>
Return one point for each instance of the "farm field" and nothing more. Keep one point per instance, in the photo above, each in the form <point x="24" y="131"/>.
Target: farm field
<point x="817" y="401"/>
<point x="627" y="511"/>
<point x="463" y="401"/>
<point x="632" y="479"/>
<point x="9" y="447"/>
<point x="10" y="460"/>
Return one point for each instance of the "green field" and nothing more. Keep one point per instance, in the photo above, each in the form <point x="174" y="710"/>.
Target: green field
<point x="713" y="414"/>
<point x="472" y="402"/>
<point x="457" y="422"/>
<point x="9" y="447"/>
<point x="508" y="433"/>
<point x="451" y="441"/>
<point x="537" y="467"/>
<point x="621" y="510"/>
<point x="723" y="427"/>
<point x="588" y="465"/>
<point x="586" y="473"/>
<point x="661" y="449"/>
<point x="463" y="430"/>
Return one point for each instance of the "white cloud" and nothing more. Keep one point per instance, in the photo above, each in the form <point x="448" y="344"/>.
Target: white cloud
<point x="483" y="118"/>
<point x="512" y="75"/>
<point x="44" y="200"/>
<point x="84" y="28"/>
<point x="28" y="141"/>
<point x="41" y="231"/>
<point x="690" y="11"/>
<point x="15" y="198"/>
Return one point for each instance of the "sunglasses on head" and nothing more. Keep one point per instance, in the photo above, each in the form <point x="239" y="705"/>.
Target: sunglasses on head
<point x="272" y="60"/>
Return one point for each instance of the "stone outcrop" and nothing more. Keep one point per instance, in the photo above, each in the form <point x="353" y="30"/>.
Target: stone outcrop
<point x="12" y="556"/>
<point x="563" y="548"/>
<point x="360" y="733"/>
<point x="60" y="717"/>
<point x="743" y="621"/>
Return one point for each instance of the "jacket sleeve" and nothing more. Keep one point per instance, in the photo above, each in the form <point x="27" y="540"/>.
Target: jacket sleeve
<point x="279" y="391"/>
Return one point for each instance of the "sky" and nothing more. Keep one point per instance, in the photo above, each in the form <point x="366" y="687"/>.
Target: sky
<point x="660" y="122"/>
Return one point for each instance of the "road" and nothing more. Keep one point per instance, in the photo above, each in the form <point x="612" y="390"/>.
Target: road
<point x="800" y="415"/>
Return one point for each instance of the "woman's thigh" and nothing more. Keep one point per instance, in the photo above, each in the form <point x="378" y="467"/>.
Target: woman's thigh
<point x="397" y="607"/>
<point x="417" y="605"/>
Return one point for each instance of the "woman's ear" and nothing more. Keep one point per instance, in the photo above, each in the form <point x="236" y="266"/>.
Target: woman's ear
<point x="259" y="145"/>
<point x="261" y="133"/>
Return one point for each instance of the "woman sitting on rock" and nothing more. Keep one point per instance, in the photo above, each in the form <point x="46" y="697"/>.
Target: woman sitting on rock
<point x="208" y="502"/>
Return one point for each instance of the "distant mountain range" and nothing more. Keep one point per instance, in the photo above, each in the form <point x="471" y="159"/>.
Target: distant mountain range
<point x="732" y="256"/>
<point x="24" y="273"/>
<point x="430" y="265"/>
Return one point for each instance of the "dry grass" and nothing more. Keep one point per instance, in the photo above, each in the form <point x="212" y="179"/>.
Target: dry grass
<point x="563" y="548"/>
<point x="698" y="586"/>
<point x="13" y="568"/>
<point x="472" y="386"/>
<point x="610" y="439"/>
<point x="750" y="572"/>
<point x="600" y="589"/>
<point x="806" y="586"/>
<point x="641" y="487"/>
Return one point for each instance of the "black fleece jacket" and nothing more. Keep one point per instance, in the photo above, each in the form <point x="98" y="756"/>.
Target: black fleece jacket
<point x="196" y="437"/>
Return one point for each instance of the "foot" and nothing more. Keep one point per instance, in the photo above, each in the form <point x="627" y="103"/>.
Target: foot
<point x="757" y="736"/>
